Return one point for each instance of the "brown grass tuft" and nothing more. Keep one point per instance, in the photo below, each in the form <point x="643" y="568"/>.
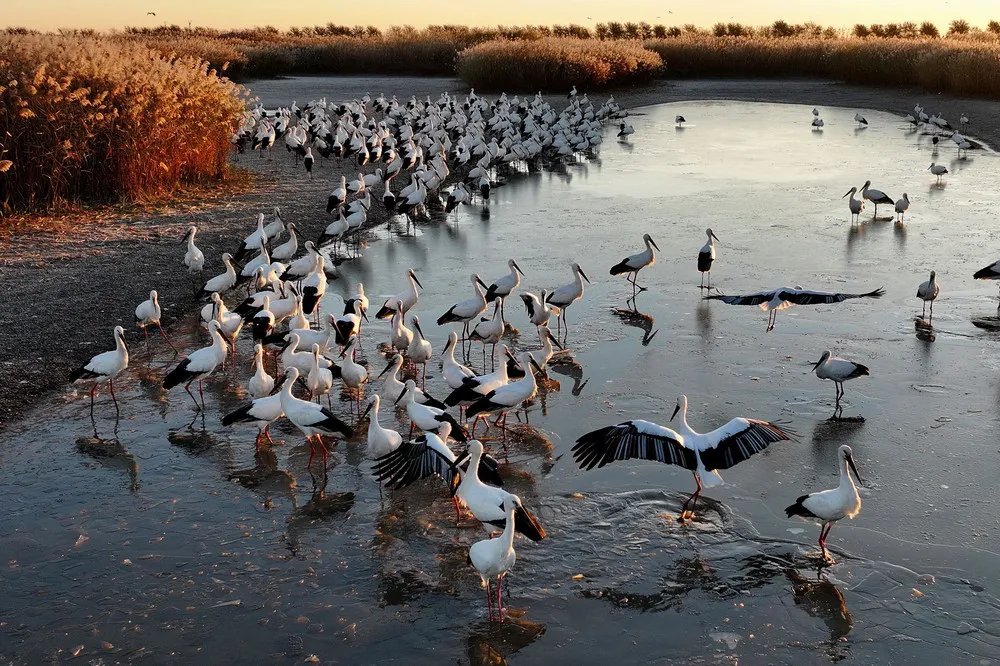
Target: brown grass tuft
<point x="88" y="119"/>
<point x="556" y="63"/>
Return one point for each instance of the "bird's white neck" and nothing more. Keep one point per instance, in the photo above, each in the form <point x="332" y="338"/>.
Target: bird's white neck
<point x="846" y="482"/>
<point x="508" y="529"/>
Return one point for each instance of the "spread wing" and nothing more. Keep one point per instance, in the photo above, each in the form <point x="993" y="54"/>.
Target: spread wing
<point x="412" y="461"/>
<point x="741" y="438"/>
<point x="804" y="297"/>
<point x="746" y="299"/>
<point x="633" y="439"/>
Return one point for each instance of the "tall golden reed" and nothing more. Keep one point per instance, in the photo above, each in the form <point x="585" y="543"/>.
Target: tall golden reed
<point x="94" y="120"/>
<point x="556" y="63"/>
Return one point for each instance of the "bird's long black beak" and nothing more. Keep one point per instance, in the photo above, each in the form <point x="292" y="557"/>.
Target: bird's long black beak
<point x="845" y="196"/>
<point x="713" y="236"/>
<point x="676" y="409"/>
<point x="535" y="365"/>
<point x="482" y="284"/>
<point x="416" y="280"/>
<point x="555" y="340"/>
<point x="518" y="269"/>
<point x="854" y="468"/>
<point x="511" y="356"/>
<point x="364" y="314"/>
<point x="401" y="394"/>
<point x="184" y="239"/>
<point x="368" y="409"/>
<point x="416" y="325"/>
<point x="584" y="276"/>
<point x="816" y="364"/>
<point x="653" y="243"/>
<point x="387" y="369"/>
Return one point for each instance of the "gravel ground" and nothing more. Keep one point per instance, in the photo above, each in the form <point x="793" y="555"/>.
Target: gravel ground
<point x="65" y="290"/>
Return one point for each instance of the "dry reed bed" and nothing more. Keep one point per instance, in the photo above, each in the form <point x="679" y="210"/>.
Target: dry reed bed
<point x="556" y="63"/>
<point x="94" y="120"/>
<point x="955" y="65"/>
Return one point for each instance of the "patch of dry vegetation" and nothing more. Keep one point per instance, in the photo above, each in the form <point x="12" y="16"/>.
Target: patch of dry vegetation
<point x="556" y="63"/>
<point x="88" y="119"/>
<point x="963" y="65"/>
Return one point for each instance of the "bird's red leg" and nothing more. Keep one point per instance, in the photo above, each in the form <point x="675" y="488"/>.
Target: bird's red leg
<point x="489" y="600"/>
<point x="164" y="334"/>
<point x="499" y="603"/>
<point x="458" y="510"/>
<point x="311" y="452"/>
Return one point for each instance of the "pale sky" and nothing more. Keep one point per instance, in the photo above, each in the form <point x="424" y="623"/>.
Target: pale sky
<point x="107" y="14"/>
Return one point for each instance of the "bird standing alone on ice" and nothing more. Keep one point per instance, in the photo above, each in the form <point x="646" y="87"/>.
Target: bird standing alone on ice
<point x="104" y="368"/>
<point x="839" y="370"/>
<point x="705" y="258"/>
<point x="927" y="292"/>
<point x="938" y="170"/>
<point x="829" y="506"/>
<point x="632" y="264"/>
<point x="902" y="206"/>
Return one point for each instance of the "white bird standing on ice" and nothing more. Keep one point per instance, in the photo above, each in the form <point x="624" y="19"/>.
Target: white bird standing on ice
<point x="938" y="170"/>
<point x="902" y="206"/>
<point x="148" y="313"/>
<point x="419" y="350"/>
<point x="703" y="454"/>
<point x="319" y="381"/>
<point x="786" y="297"/>
<point x="454" y="373"/>
<point x="262" y="411"/>
<point x="838" y="370"/>
<point x="856" y="205"/>
<point x="465" y="311"/>
<point x="540" y="311"/>
<point x="860" y="120"/>
<point x="407" y="298"/>
<point x="632" y="264"/>
<point x="194" y="258"/>
<point x="680" y="120"/>
<point x="706" y="256"/>
<point x="199" y="365"/>
<point x="503" y="286"/>
<point x="104" y="368"/>
<point x="817" y="123"/>
<point x="927" y="292"/>
<point x="564" y="296"/>
<point x="829" y="506"/>
<point x="625" y="130"/>
<point x="493" y="558"/>
<point x="877" y="197"/>
<point x="508" y="397"/>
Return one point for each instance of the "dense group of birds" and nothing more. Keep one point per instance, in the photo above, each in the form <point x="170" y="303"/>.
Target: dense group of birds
<point x="450" y="152"/>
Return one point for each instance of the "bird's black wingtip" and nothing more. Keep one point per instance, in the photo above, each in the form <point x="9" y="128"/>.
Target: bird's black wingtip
<point x="798" y="509"/>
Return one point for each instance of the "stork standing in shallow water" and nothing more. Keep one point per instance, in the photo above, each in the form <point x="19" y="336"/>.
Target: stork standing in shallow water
<point x="706" y="256"/>
<point x="465" y="311"/>
<point x="902" y="206"/>
<point x="832" y="505"/>
<point x="632" y="264"/>
<point x="407" y="299"/>
<point x="310" y="418"/>
<point x="786" y="297"/>
<point x="494" y="558"/>
<point x="104" y="368"/>
<point x="856" y="205"/>
<point x="877" y="197"/>
<point x="938" y="170"/>
<point x="838" y="370"/>
<point x="199" y="365"/>
<point x="702" y="453"/>
<point x="927" y="292"/>
<point x="503" y="286"/>
<point x="564" y="296"/>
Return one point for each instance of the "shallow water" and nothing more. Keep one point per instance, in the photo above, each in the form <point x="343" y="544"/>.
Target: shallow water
<point x="164" y="538"/>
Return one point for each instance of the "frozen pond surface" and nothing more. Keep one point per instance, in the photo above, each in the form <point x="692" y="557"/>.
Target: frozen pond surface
<point x="139" y="547"/>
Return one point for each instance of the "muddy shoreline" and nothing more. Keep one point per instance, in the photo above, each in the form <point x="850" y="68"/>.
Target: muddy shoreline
<point x="65" y="291"/>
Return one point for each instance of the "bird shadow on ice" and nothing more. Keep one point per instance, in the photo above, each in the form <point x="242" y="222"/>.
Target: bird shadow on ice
<point x="111" y="454"/>
<point x="823" y="600"/>
<point x="923" y="329"/>
<point x="632" y="317"/>
<point x="935" y="189"/>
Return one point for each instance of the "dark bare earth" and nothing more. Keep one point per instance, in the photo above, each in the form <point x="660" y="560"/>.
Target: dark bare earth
<point x="65" y="291"/>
